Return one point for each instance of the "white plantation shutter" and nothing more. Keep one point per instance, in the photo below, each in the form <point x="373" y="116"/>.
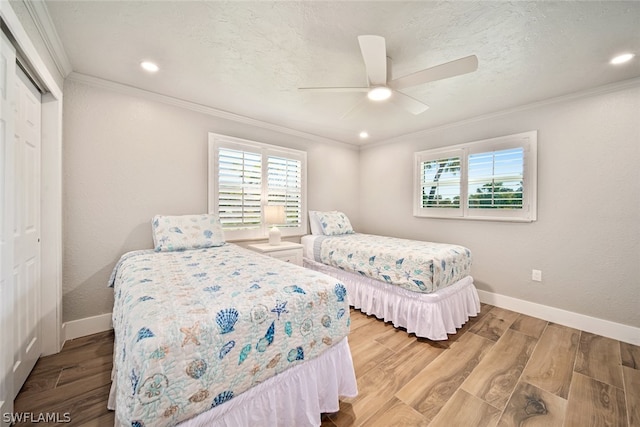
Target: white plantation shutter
<point x="284" y="182"/>
<point x="439" y="174"/>
<point x="245" y="176"/>
<point x="239" y="189"/>
<point x="496" y="179"/>
<point x="441" y="182"/>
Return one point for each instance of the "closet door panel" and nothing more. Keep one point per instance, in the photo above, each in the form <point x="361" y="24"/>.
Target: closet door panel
<point x="26" y="239"/>
<point x="7" y="156"/>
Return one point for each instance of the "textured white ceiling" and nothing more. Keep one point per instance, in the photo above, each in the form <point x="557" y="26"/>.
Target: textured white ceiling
<point x="249" y="58"/>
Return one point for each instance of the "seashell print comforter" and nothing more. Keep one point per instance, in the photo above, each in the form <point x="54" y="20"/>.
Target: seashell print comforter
<point x="411" y="264"/>
<point x="194" y="329"/>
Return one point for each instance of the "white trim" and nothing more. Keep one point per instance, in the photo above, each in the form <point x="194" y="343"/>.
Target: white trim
<point x="51" y="224"/>
<point x="600" y="90"/>
<point x="87" y="326"/>
<point x="42" y="20"/>
<point x="606" y="328"/>
<point x="199" y="108"/>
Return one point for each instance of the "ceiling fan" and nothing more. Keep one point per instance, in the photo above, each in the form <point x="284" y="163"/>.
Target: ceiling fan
<point x="381" y="87"/>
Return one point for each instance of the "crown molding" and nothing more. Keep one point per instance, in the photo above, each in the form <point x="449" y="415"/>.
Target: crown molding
<point x="599" y="90"/>
<point x="25" y="46"/>
<point x="199" y="108"/>
<point x="40" y="14"/>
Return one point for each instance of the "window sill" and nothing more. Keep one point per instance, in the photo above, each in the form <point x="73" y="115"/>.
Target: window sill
<point x="478" y="218"/>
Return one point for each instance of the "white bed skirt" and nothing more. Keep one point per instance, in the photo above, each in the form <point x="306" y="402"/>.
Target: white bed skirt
<point x="430" y="316"/>
<point x="295" y="397"/>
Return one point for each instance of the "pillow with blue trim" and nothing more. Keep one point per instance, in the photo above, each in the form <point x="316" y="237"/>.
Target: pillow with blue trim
<point x="334" y="223"/>
<point x="181" y="232"/>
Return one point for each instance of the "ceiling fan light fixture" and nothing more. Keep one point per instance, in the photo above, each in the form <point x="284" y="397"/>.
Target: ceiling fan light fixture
<point x="379" y="93"/>
<point x="621" y="59"/>
<point x="149" y="66"/>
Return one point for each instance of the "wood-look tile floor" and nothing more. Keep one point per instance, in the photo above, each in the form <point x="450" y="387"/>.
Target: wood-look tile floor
<point x="501" y="369"/>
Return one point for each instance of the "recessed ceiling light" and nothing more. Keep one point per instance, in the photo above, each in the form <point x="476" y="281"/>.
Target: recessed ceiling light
<point x="364" y="135"/>
<point x="149" y="66"/>
<point x="379" y="93"/>
<point x="621" y="59"/>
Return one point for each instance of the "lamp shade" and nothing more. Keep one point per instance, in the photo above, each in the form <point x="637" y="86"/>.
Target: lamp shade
<point x="274" y="214"/>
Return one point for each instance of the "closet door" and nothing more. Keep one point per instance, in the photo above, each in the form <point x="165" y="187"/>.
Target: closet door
<point x="26" y="230"/>
<point x="7" y="156"/>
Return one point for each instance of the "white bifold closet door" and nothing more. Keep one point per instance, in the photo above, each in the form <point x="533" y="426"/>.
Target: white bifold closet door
<point x="7" y="110"/>
<point x="20" y="281"/>
<point x="26" y="230"/>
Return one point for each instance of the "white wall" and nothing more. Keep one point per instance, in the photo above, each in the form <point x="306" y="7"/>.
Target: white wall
<point x="127" y="158"/>
<point x="587" y="237"/>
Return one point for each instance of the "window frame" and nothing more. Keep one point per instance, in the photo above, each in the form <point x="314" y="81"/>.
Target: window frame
<point x="528" y="213"/>
<point x="217" y="141"/>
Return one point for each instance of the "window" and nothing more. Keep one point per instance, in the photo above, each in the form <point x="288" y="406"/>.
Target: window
<point x="493" y="179"/>
<point x="440" y="181"/>
<point x="245" y="176"/>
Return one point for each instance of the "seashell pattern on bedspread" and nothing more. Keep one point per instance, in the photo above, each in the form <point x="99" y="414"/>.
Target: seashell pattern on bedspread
<point x="196" y="328"/>
<point x="411" y="264"/>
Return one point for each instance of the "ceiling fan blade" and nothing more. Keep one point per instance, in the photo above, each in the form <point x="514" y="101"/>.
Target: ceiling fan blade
<point x="442" y="71"/>
<point x="335" y="89"/>
<point x="374" y="53"/>
<point x="410" y="104"/>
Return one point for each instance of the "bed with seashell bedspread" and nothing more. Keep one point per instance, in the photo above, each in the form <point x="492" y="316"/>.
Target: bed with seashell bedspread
<point x="213" y="331"/>
<point x="415" y="265"/>
<point x="423" y="287"/>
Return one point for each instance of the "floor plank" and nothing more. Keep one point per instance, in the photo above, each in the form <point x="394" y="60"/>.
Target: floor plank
<point x="630" y="355"/>
<point x="430" y="390"/>
<point x="464" y="409"/>
<point x="41" y="379"/>
<point x="93" y="366"/>
<point x="48" y="401"/>
<point x="367" y="354"/>
<point x="494" y="323"/>
<point x="529" y="325"/>
<point x="551" y="365"/>
<point x="498" y="372"/>
<point x="379" y="383"/>
<point x="599" y="357"/>
<point x="396" y="339"/>
<point x="632" y="391"/>
<point x="533" y="407"/>
<point x="107" y="419"/>
<point x="594" y="403"/>
<point x="396" y="413"/>
<point x="359" y="319"/>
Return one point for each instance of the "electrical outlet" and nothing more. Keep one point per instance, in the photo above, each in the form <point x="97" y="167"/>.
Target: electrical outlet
<point x="536" y="275"/>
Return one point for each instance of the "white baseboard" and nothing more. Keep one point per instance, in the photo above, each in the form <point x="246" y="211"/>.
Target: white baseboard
<point x="594" y="325"/>
<point x="87" y="326"/>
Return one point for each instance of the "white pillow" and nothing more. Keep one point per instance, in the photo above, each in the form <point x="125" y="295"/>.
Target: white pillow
<point x="314" y="223"/>
<point x="177" y="233"/>
<point x="334" y="223"/>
